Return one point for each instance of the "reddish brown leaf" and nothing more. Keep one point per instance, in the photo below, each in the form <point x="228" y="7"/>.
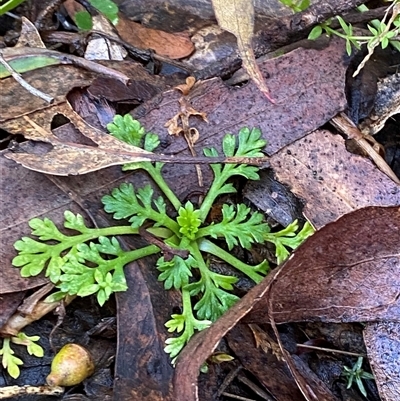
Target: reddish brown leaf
<point x="143" y="370"/>
<point x="330" y="180"/>
<point x="306" y="98"/>
<point x="172" y="45"/>
<point x="346" y="272"/>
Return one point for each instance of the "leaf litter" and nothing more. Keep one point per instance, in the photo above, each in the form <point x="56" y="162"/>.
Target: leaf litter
<point x="237" y="17"/>
<point x="385" y="195"/>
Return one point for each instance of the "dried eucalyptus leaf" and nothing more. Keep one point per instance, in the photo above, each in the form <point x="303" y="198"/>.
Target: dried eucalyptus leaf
<point x="237" y="17"/>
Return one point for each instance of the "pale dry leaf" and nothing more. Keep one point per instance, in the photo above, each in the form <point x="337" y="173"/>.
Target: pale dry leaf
<point x="186" y="87"/>
<point x="102" y="48"/>
<point x="65" y="158"/>
<point x="29" y="35"/>
<point x="46" y="153"/>
<point x="237" y="17"/>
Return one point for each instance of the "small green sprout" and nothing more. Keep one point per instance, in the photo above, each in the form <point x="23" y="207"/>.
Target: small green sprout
<point x="10" y="362"/>
<point x="382" y="32"/>
<point x="296" y="5"/>
<point x="356" y="373"/>
<point x="90" y="261"/>
<point x="9" y="5"/>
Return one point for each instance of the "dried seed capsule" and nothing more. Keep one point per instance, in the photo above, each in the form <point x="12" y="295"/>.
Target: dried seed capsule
<point x="71" y="365"/>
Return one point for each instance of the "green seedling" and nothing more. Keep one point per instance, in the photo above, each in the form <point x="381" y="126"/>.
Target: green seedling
<point x="382" y="32"/>
<point x="356" y="374"/>
<point x="377" y="24"/>
<point x="90" y="261"/>
<point x="9" y="5"/>
<point x="10" y="362"/>
<point x="296" y="5"/>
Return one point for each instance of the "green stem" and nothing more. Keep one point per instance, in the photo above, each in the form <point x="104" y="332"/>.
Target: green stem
<point x="92" y="233"/>
<point x="69" y="241"/>
<point x="209" y="247"/>
<point x="136" y="254"/>
<point x="162" y="220"/>
<point x="212" y="193"/>
<point x="187" y="311"/>
<point x="155" y="174"/>
<point x="344" y="36"/>
<point x="108" y="231"/>
<point x="195" y="252"/>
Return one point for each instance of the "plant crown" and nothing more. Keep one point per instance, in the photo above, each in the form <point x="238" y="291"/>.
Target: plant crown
<point x="90" y="261"/>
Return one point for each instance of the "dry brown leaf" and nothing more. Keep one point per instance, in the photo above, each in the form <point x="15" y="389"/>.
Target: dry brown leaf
<point x="172" y="45"/>
<point x="190" y="134"/>
<point x="330" y="180"/>
<point x="29" y="35"/>
<point x="186" y="87"/>
<point x="382" y="340"/>
<point x="347" y="271"/>
<point x="266" y="363"/>
<point x="306" y="99"/>
<point x="186" y="111"/>
<point x="65" y="158"/>
<point x="97" y="149"/>
<point x="237" y="17"/>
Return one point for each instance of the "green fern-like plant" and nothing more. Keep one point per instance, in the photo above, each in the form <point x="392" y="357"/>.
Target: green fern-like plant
<point x="90" y="261"/>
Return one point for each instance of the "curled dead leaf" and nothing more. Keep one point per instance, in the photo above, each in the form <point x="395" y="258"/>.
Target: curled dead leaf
<point x="185" y="88"/>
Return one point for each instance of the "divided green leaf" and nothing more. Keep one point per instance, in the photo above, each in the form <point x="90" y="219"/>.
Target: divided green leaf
<point x="87" y="261"/>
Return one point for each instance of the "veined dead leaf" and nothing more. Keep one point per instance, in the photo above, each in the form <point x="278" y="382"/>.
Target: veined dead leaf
<point x="53" y="156"/>
<point x="46" y="153"/>
<point x="237" y="17"/>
